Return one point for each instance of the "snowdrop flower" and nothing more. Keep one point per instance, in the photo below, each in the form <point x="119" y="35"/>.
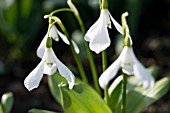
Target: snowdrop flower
<point x="131" y="66"/>
<point x="48" y="65"/>
<point x="54" y="33"/>
<point x="97" y="35"/>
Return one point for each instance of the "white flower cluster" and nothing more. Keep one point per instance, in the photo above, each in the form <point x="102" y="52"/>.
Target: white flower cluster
<point x="98" y="38"/>
<point x="49" y="62"/>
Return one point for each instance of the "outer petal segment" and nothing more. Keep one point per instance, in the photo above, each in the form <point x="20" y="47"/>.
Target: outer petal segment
<point x="98" y="35"/>
<point x="33" y="79"/>
<point x="65" y="72"/>
<point x="142" y="74"/>
<point x="50" y="66"/>
<point x="109" y="74"/>
<point x="41" y="48"/>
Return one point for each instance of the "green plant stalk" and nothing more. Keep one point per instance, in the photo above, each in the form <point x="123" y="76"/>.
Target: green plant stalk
<point x="61" y="10"/>
<point x="104" y="66"/>
<point x="78" y="61"/>
<point x="76" y="57"/>
<point x="104" y="4"/>
<point x="90" y="56"/>
<point x="123" y="104"/>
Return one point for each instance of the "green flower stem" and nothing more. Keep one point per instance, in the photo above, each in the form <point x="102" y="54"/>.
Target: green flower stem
<point x="76" y="57"/>
<point x="60" y="10"/>
<point x="90" y="56"/>
<point x="104" y="60"/>
<point x="123" y="104"/>
<point x="104" y="66"/>
<point x="78" y="61"/>
<point x="126" y="43"/>
<point x="104" y="4"/>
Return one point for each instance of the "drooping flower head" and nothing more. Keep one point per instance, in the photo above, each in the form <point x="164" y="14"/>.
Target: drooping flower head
<point x="130" y="65"/>
<point x="49" y="65"/>
<point x="97" y="35"/>
<point x="54" y="33"/>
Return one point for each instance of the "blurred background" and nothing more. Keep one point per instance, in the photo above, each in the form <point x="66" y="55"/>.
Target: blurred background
<point x="22" y="27"/>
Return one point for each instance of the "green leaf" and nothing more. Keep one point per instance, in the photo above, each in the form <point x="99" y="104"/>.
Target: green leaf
<point x="7" y="102"/>
<point x="53" y="82"/>
<point x="83" y="99"/>
<point x="154" y="70"/>
<point x="11" y="11"/>
<point x="139" y="98"/>
<point x="26" y="6"/>
<point x="1" y="110"/>
<point x="41" y="111"/>
<point x="115" y="93"/>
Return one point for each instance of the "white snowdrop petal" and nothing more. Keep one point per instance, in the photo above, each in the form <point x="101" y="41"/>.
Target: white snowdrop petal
<point x="50" y="69"/>
<point x="106" y="12"/>
<point x="112" y="70"/>
<point x="41" y="48"/>
<point x="33" y="79"/>
<point x="116" y="24"/>
<point x="65" y="72"/>
<point x="127" y="61"/>
<point x="142" y="74"/>
<point x="53" y="33"/>
<point x="50" y="66"/>
<point x="92" y="31"/>
<point x="76" y="48"/>
<point x="119" y="27"/>
<point x="100" y="40"/>
<point x="48" y="55"/>
<point x="63" y="37"/>
<point x="109" y="73"/>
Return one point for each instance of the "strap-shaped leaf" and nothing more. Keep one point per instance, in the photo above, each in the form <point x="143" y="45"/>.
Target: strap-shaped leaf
<point x="115" y="93"/>
<point x="53" y="82"/>
<point x="41" y="111"/>
<point x="115" y="88"/>
<point x="83" y="99"/>
<point x="7" y="101"/>
<point x="1" y="110"/>
<point x="139" y="98"/>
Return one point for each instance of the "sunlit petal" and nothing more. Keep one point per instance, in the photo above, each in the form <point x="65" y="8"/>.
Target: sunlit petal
<point x="116" y="24"/>
<point x="100" y="40"/>
<point x="53" y="33"/>
<point x="127" y="61"/>
<point x="119" y="27"/>
<point x="65" y="72"/>
<point x="106" y="13"/>
<point x="49" y="56"/>
<point x="50" y="69"/>
<point x="109" y="74"/>
<point x="50" y="66"/>
<point x="92" y="31"/>
<point x="112" y="70"/>
<point x="63" y="37"/>
<point x="33" y="79"/>
<point x="41" y="48"/>
<point x="76" y="47"/>
<point x="142" y="74"/>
